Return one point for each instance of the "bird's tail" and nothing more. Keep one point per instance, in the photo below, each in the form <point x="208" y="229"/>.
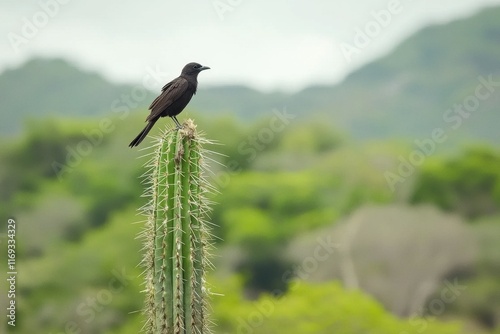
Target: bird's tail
<point x="140" y="137"/>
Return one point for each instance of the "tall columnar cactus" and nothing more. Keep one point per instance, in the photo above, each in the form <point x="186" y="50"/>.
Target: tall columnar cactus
<point x="176" y="235"/>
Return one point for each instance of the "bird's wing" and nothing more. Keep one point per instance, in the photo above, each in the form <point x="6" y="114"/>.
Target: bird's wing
<point x="170" y="93"/>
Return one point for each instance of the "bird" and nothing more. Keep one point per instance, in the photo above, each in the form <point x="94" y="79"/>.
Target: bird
<point x="174" y="97"/>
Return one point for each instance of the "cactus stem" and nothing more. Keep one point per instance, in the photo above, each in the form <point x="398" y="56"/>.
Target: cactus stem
<point x="176" y="234"/>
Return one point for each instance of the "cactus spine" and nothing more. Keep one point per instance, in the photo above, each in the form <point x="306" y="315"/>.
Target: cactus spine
<point x="176" y="235"/>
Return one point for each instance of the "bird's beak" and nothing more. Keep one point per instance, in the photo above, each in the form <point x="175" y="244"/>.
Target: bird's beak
<point x="204" y="68"/>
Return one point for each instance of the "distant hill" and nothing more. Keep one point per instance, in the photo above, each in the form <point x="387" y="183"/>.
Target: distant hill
<point x="44" y="87"/>
<point x="408" y="92"/>
<point x="405" y="94"/>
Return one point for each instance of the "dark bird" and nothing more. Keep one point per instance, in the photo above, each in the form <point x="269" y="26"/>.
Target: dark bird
<point x="173" y="99"/>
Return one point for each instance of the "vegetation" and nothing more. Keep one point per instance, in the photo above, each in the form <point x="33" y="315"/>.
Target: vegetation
<point x="468" y="184"/>
<point x="79" y="254"/>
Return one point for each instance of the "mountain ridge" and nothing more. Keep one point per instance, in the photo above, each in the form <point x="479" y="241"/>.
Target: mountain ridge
<point x="403" y="94"/>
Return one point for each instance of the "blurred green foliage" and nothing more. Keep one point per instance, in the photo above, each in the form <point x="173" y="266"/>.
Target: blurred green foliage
<point x="77" y="231"/>
<point x="468" y="184"/>
<point x="314" y="308"/>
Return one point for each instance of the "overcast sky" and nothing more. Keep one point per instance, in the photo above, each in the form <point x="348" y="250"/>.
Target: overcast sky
<point x="285" y="45"/>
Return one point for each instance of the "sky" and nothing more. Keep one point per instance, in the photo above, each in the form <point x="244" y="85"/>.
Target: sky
<point x="268" y="45"/>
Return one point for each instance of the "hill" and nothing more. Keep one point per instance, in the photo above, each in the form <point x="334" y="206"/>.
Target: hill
<point x="419" y="86"/>
<point x="428" y="82"/>
<point x="43" y="87"/>
<point x="407" y="93"/>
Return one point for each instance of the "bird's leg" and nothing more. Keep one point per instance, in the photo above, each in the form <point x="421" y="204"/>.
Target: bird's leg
<point x="177" y="123"/>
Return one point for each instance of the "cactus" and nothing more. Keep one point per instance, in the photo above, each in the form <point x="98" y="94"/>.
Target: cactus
<point x="176" y="234"/>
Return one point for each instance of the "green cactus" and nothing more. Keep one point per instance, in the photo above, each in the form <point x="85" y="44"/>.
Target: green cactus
<point x="176" y="234"/>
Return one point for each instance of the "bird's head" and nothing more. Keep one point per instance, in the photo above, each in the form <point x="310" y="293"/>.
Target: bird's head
<point x="193" y="69"/>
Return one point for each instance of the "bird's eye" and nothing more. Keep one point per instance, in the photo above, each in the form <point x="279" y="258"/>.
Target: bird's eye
<point x="197" y="66"/>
